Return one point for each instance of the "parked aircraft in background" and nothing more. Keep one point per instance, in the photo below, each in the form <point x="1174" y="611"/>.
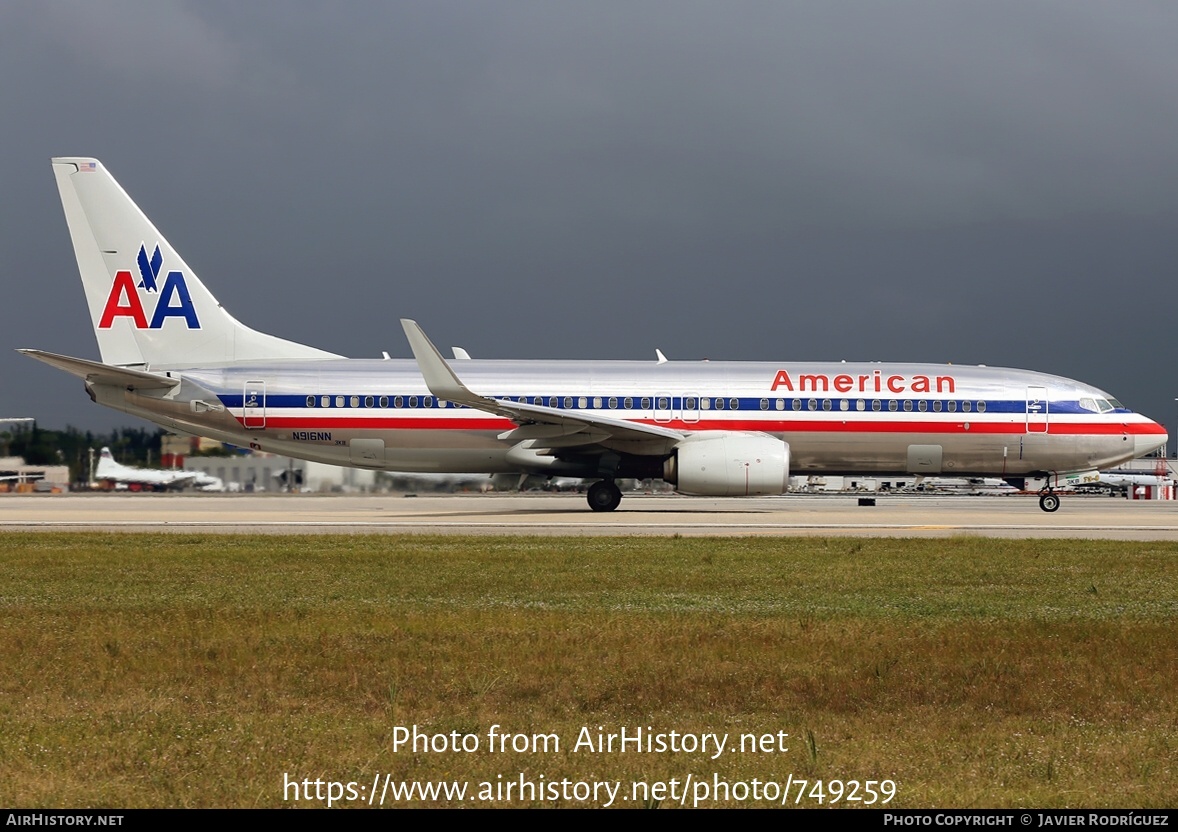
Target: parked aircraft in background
<point x="207" y="482"/>
<point x="965" y="485"/>
<point x="173" y="355"/>
<point x="1123" y="480"/>
<point x="1118" y="480"/>
<point x="109" y="470"/>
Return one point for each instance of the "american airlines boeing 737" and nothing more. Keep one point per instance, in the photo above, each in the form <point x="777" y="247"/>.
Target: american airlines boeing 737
<point x="172" y="354"/>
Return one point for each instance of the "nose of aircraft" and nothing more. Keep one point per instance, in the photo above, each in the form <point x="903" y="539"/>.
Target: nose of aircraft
<point x="1146" y="443"/>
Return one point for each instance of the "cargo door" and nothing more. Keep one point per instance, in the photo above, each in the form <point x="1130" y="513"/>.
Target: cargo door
<point x="924" y="459"/>
<point x="366" y="453"/>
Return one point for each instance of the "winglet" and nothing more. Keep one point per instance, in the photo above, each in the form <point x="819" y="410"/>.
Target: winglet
<point x="587" y="428"/>
<point x="439" y="378"/>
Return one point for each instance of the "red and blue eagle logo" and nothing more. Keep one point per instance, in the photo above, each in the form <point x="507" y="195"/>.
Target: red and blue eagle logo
<point x="172" y="299"/>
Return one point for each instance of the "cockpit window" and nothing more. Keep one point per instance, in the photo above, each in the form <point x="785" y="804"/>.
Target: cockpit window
<point x="1104" y="406"/>
<point x="1117" y="404"/>
<point x="1089" y="403"/>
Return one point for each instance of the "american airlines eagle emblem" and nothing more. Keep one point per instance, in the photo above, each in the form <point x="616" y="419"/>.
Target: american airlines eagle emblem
<point x="172" y="300"/>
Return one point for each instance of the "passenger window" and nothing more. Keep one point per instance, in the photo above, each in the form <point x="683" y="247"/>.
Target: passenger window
<point x="966" y="407"/>
<point x="875" y="404"/>
<point x="339" y="401"/>
<point x="781" y="404"/>
<point x="369" y="401"/>
<point x="764" y="404"/>
<point x="812" y="404"/>
<point x="826" y="404"/>
<point x="597" y="401"/>
<point x="922" y="405"/>
<point x="952" y="407"/>
<point x="355" y="402"/>
<point x="568" y="401"/>
<point x="908" y="405"/>
<point x="937" y="406"/>
<point x="892" y="404"/>
<point x="413" y="401"/>
<point x="797" y="405"/>
<point x="310" y="401"/>
<point x="734" y="404"/>
<point x="719" y="404"/>
<point x="582" y="402"/>
<point x="843" y="404"/>
<point x="384" y="401"/>
<point x="646" y="403"/>
<point x="628" y="403"/>
<point x="981" y="407"/>
<point x="427" y="401"/>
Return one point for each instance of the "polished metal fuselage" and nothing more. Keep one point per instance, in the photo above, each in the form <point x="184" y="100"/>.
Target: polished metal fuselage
<point x="837" y="418"/>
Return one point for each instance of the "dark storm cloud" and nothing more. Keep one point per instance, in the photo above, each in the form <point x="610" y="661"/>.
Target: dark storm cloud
<point x="921" y="181"/>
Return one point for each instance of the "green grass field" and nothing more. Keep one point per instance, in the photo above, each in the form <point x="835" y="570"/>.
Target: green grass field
<point x="200" y="670"/>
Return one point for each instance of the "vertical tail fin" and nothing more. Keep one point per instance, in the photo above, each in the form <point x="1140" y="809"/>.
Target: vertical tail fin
<point x="147" y="306"/>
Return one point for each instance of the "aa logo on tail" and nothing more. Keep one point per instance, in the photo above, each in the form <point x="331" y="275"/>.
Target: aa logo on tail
<point x="171" y="300"/>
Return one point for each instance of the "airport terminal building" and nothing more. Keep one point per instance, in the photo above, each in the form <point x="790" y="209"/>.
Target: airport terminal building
<point x="269" y="472"/>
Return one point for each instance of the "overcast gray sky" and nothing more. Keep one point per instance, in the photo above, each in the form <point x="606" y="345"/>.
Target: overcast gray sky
<point x="977" y="182"/>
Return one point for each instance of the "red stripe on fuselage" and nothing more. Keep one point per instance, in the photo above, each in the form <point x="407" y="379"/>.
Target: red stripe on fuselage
<point x="1057" y="428"/>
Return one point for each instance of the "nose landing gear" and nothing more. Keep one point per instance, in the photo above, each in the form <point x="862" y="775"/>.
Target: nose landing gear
<point x="1048" y="500"/>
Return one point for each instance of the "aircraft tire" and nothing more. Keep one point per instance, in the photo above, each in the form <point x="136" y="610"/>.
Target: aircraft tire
<point x="1049" y="502"/>
<point x="604" y="496"/>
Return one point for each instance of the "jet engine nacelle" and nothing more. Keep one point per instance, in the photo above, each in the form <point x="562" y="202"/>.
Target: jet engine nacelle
<point x="729" y="464"/>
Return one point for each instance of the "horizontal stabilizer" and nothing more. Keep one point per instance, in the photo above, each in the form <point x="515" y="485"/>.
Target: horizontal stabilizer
<point x="97" y="373"/>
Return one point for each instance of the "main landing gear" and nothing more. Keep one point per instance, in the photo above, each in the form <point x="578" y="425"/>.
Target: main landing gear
<point x="1048" y="500"/>
<point x="604" y="495"/>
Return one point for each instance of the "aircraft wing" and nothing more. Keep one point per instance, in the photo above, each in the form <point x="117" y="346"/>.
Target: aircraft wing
<point x="547" y="426"/>
<point x="103" y="373"/>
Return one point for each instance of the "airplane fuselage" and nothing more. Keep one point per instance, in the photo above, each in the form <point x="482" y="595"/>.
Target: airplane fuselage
<point x="836" y="418"/>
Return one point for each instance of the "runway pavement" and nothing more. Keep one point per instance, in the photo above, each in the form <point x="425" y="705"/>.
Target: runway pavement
<point x="1080" y="516"/>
